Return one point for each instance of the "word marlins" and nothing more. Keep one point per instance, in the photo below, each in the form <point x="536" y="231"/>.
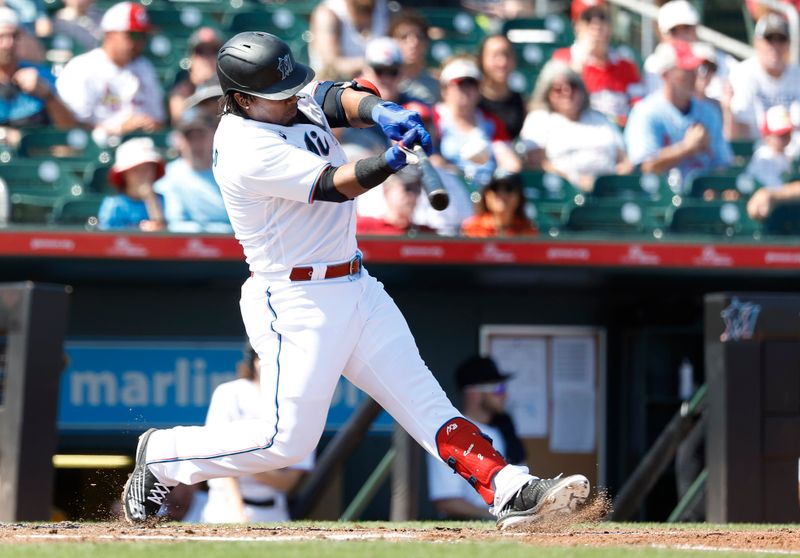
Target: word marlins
<point x="189" y="384"/>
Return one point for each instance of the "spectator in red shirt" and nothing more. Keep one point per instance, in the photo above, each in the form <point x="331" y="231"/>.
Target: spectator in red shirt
<point x="612" y="79"/>
<point x="401" y="192"/>
<point x="502" y="210"/>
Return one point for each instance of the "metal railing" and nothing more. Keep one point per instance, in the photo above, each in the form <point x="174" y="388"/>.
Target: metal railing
<point x="649" y="12"/>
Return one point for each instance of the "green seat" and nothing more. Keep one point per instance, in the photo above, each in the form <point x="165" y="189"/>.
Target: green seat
<point x="717" y="218"/>
<point x="180" y="21"/>
<point x="616" y="217"/>
<point x="77" y="211"/>
<point x="643" y="187"/>
<point x="282" y="22"/>
<point x="47" y="176"/>
<point x="550" y="193"/>
<point x="95" y="180"/>
<point x="32" y="208"/>
<point x="783" y="220"/>
<point x="73" y="147"/>
<point x="716" y="186"/>
<point x="742" y="151"/>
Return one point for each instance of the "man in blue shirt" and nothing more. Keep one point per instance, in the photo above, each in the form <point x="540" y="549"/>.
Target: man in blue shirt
<point x="192" y="200"/>
<point x="27" y="91"/>
<point x="671" y="128"/>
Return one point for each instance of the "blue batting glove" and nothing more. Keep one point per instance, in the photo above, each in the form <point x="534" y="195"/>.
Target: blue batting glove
<point x="396" y="157"/>
<point x="396" y="121"/>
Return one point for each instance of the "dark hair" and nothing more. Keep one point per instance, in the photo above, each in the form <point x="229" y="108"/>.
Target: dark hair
<point x="228" y="104"/>
<point x="513" y="180"/>
<point x="482" y="47"/>
<point x="411" y="17"/>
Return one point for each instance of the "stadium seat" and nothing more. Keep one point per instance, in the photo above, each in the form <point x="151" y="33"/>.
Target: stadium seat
<point x="48" y="177"/>
<point x="95" y="180"/>
<point x="742" y="152"/>
<point x="180" y="21"/>
<point x="718" y="186"/>
<point x="31" y="208"/>
<point x="282" y="21"/>
<point x="551" y="29"/>
<point x="77" y="211"/>
<point x="784" y="220"/>
<point x="716" y="218"/>
<point x="73" y="147"/>
<point x="607" y="216"/>
<point x="643" y="187"/>
<point x="549" y="193"/>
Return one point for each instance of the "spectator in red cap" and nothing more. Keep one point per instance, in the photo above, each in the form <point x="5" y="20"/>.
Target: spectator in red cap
<point x="136" y="167"/>
<point x="611" y="78"/>
<point x="114" y="88"/>
<point x="203" y="46"/>
<point x="769" y="165"/>
<point x="678" y="21"/>
<point x="770" y="161"/>
<point x="672" y="128"/>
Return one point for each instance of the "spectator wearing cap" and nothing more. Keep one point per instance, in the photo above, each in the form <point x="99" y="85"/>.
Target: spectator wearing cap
<point x="383" y="68"/>
<point x="114" y="88"/>
<point x="502" y="210"/>
<point x="672" y="128"/>
<point x="203" y="46"/>
<point x="764" y="80"/>
<point x="136" y="167"/>
<point x="563" y="135"/>
<point x="770" y="164"/>
<point x="27" y="91"/>
<point x="678" y="20"/>
<point x="401" y="192"/>
<point x="80" y="21"/>
<point x="758" y="10"/>
<point x="610" y="76"/>
<point x="192" y="200"/>
<point x="410" y="29"/>
<point x="483" y="388"/>
<point x="340" y="31"/>
<point x="472" y="142"/>
<point x="497" y="61"/>
<point x="206" y="97"/>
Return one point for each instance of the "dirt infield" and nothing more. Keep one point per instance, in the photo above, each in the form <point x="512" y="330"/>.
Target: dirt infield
<point x="777" y="540"/>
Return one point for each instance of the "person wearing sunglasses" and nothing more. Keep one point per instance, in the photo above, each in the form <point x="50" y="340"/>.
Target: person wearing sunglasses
<point x="202" y="50"/>
<point x="483" y="389"/>
<point x="611" y="77"/>
<point x="501" y="210"/>
<point x="564" y="135"/>
<point x="114" y="88"/>
<point x="764" y="80"/>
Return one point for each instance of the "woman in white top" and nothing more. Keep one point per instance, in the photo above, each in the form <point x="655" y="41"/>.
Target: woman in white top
<point x="564" y="136"/>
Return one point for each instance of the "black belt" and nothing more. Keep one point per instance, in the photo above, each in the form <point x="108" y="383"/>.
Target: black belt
<point x="268" y="503"/>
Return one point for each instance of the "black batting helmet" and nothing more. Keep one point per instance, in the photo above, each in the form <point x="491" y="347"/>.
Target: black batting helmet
<point x="262" y="65"/>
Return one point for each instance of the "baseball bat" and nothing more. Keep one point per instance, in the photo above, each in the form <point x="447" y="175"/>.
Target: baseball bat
<point x="432" y="182"/>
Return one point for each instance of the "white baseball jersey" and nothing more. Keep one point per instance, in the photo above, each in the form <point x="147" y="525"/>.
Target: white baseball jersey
<point x="100" y="92"/>
<point x="307" y="333"/>
<point x="268" y="190"/>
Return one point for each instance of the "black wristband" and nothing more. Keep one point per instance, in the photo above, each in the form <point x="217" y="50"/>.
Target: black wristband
<point x="372" y="171"/>
<point x="365" y="107"/>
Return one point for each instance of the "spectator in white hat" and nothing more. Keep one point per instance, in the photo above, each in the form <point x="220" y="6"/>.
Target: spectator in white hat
<point x="27" y="91"/>
<point x="764" y="80"/>
<point x="472" y="141"/>
<point x="114" y="87"/>
<point x="136" y="168"/>
<point x="672" y="128"/>
<point x="770" y="162"/>
<point x="678" y="20"/>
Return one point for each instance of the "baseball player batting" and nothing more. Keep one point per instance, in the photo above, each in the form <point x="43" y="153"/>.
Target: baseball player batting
<point x="310" y="307"/>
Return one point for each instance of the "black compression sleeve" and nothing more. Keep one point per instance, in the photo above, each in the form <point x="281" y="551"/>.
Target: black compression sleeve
<point x="372" y="171"/>
<point x="365" y="107"/>
<point x="325" y="190"/>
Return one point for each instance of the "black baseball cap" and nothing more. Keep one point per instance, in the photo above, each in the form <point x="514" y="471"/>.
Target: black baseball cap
<point x="479" y="370"/>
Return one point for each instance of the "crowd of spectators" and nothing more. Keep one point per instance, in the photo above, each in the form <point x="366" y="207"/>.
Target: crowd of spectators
<point x="591" y="111"/>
